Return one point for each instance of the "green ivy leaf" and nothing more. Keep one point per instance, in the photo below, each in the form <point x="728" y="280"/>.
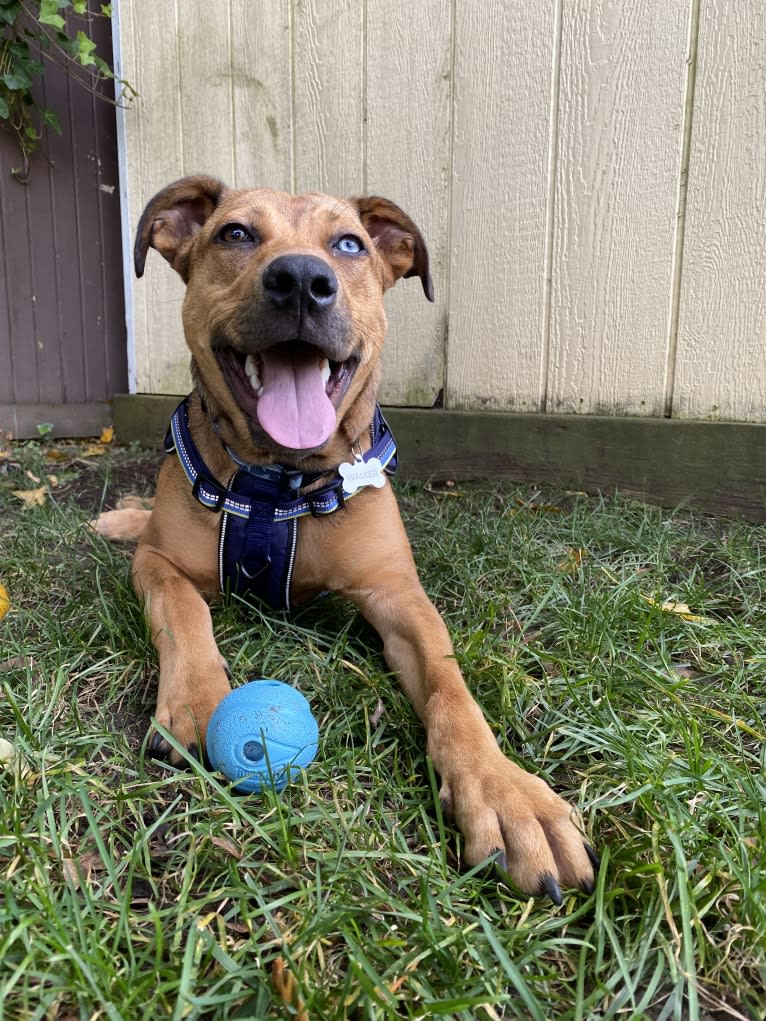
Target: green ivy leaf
<point x="85" y="48"/>
<point x="17" y="82"/>
<point x="49" y="15"/>
<point x="9" y="11"/>
<point x="52" y="120"/>
<point x="5" y="111"/>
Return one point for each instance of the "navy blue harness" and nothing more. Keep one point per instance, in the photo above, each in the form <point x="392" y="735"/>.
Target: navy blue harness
<point x="260" y="509"/>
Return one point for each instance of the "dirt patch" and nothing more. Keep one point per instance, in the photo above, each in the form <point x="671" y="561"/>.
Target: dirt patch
<point x="99" y="484"/>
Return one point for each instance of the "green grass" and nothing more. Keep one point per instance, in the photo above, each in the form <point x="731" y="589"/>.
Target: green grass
<point x="131" y="889"/>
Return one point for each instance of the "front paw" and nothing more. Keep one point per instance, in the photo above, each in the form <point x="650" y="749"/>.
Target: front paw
<point x="184" y="708"/>
<point x="511" y="815"/>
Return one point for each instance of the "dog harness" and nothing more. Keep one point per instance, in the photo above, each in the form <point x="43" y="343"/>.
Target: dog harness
<point x="262" y="505"/>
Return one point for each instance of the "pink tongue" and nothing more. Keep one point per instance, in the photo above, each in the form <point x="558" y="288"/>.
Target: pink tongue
<point x="294" y="409"/>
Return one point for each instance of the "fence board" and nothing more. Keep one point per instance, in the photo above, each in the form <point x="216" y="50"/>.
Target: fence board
<point x="150" y="60"/>
<point x="721" y="363"/>
<point x="260" y="69"/>
<point x="623" y="76"/>
<point x="329" y="96"/>
<point x="408" y="145"/>
<point x="503" y="60"/>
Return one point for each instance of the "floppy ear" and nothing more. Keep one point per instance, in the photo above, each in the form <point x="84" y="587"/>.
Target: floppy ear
<point x="397" y="239"/>
<point x="172" y="218"/>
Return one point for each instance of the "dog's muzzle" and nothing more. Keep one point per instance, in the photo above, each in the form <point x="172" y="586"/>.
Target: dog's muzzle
<point x="288" y="384"/>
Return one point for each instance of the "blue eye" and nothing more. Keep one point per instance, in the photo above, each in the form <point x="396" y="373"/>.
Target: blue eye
<point x="349" y="245"/>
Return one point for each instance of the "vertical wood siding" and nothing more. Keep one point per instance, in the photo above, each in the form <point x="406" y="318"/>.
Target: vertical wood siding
<point x="589" y="176"/>
<point x="62" y="317"/>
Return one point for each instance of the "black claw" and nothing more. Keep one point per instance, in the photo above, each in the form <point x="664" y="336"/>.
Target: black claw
<point x="587" y="886"/>
<point x="592" y="857"/>
<point x="499" y="859"/>
<point x="550" y="888"/>
<point x="158" y="745"/>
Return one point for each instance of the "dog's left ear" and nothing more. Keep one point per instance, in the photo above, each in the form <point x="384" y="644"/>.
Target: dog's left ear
<point x="397" y="239"/>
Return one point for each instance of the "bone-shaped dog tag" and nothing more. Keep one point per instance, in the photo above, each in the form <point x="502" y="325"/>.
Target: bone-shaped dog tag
<point x="361" y="473"/>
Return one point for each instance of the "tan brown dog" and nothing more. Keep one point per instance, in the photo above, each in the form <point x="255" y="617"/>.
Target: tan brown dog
<point x="284" y="318"/>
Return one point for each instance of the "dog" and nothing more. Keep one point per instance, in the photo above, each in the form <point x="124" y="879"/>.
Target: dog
<point x="283" y="315"/>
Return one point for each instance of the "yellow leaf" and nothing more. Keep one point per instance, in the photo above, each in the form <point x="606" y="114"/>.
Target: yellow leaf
<point x="53" y="480"/>
<point x="32" y="478"/>
<point x="680" y="609"/>
<point x="572" y="561"/>
<point x="5" y="602"/>
<point x="107" y="434"/>
<point x="93" y="450"/>
<point x="54" y="454"/>
<point x="31" y="497"/>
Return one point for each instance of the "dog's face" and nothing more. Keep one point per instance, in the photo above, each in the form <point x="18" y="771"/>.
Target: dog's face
<point x="283" y="311"/>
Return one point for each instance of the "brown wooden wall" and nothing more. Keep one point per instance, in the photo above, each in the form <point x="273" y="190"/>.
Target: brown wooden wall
<point x="62" y="315"/>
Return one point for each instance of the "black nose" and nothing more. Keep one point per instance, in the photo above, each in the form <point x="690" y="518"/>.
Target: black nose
<point x="300" y="283"/>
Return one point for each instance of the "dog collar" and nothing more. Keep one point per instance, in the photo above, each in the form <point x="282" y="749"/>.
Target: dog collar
<point x="261" y="505"/>
<point x="288" y="503"/>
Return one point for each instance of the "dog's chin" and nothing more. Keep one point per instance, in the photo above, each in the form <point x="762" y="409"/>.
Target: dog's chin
<point x="312" y="397"/>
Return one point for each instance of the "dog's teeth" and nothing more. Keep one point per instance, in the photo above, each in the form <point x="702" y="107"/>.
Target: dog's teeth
<point x="325" y="372"/>
<point x="254" y="379"/>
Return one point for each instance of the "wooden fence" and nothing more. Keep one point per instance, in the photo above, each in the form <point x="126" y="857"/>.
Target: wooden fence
<point x="62" y="318"/>
<point x="590" y="176"/>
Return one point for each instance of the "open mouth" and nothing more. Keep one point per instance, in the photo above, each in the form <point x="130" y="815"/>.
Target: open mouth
<point x="290" y="391"/>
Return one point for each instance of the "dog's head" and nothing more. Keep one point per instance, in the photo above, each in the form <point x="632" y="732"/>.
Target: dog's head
<point x="283" y="311"/>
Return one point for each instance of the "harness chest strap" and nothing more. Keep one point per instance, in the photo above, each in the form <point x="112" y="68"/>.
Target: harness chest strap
<point x="261" y="506"/>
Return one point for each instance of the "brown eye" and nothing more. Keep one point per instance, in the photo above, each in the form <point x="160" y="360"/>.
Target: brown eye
<point x="235" y="234"/>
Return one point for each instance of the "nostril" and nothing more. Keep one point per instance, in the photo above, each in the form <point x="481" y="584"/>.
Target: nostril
<point x="323" y="288"/>
<point x="284" y="283"/>
<point x="280" y="281"/>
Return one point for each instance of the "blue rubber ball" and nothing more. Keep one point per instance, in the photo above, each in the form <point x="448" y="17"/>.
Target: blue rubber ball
<point x="260" y="733"/>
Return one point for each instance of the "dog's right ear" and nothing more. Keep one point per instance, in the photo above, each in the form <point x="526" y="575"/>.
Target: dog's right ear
<point x="172" y="219"/>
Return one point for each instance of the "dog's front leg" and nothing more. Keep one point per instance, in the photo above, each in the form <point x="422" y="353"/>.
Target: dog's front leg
<point x="193" y="674"/>
<point x="502" y="810"/>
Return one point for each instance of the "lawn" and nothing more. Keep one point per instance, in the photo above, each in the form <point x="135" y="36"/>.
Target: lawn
<point x="617" y="648"/>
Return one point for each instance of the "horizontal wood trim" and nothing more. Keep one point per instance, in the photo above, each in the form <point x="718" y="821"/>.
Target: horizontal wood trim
<point x="68" y="420"/>
<point x="719" y="467"/>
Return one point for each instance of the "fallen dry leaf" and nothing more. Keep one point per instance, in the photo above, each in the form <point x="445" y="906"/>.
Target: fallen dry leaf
<point x="682" y="610"/>
<point x="227" y="845"/>
<point x="54" y="454"/>
<point x="5" y="601"/>
<point x="287" y="989"/>
<point x="31" y="497"/>
<point x="94" y="450"/>
<point x="107" y="434"/>
<point x="572" y="562"/>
